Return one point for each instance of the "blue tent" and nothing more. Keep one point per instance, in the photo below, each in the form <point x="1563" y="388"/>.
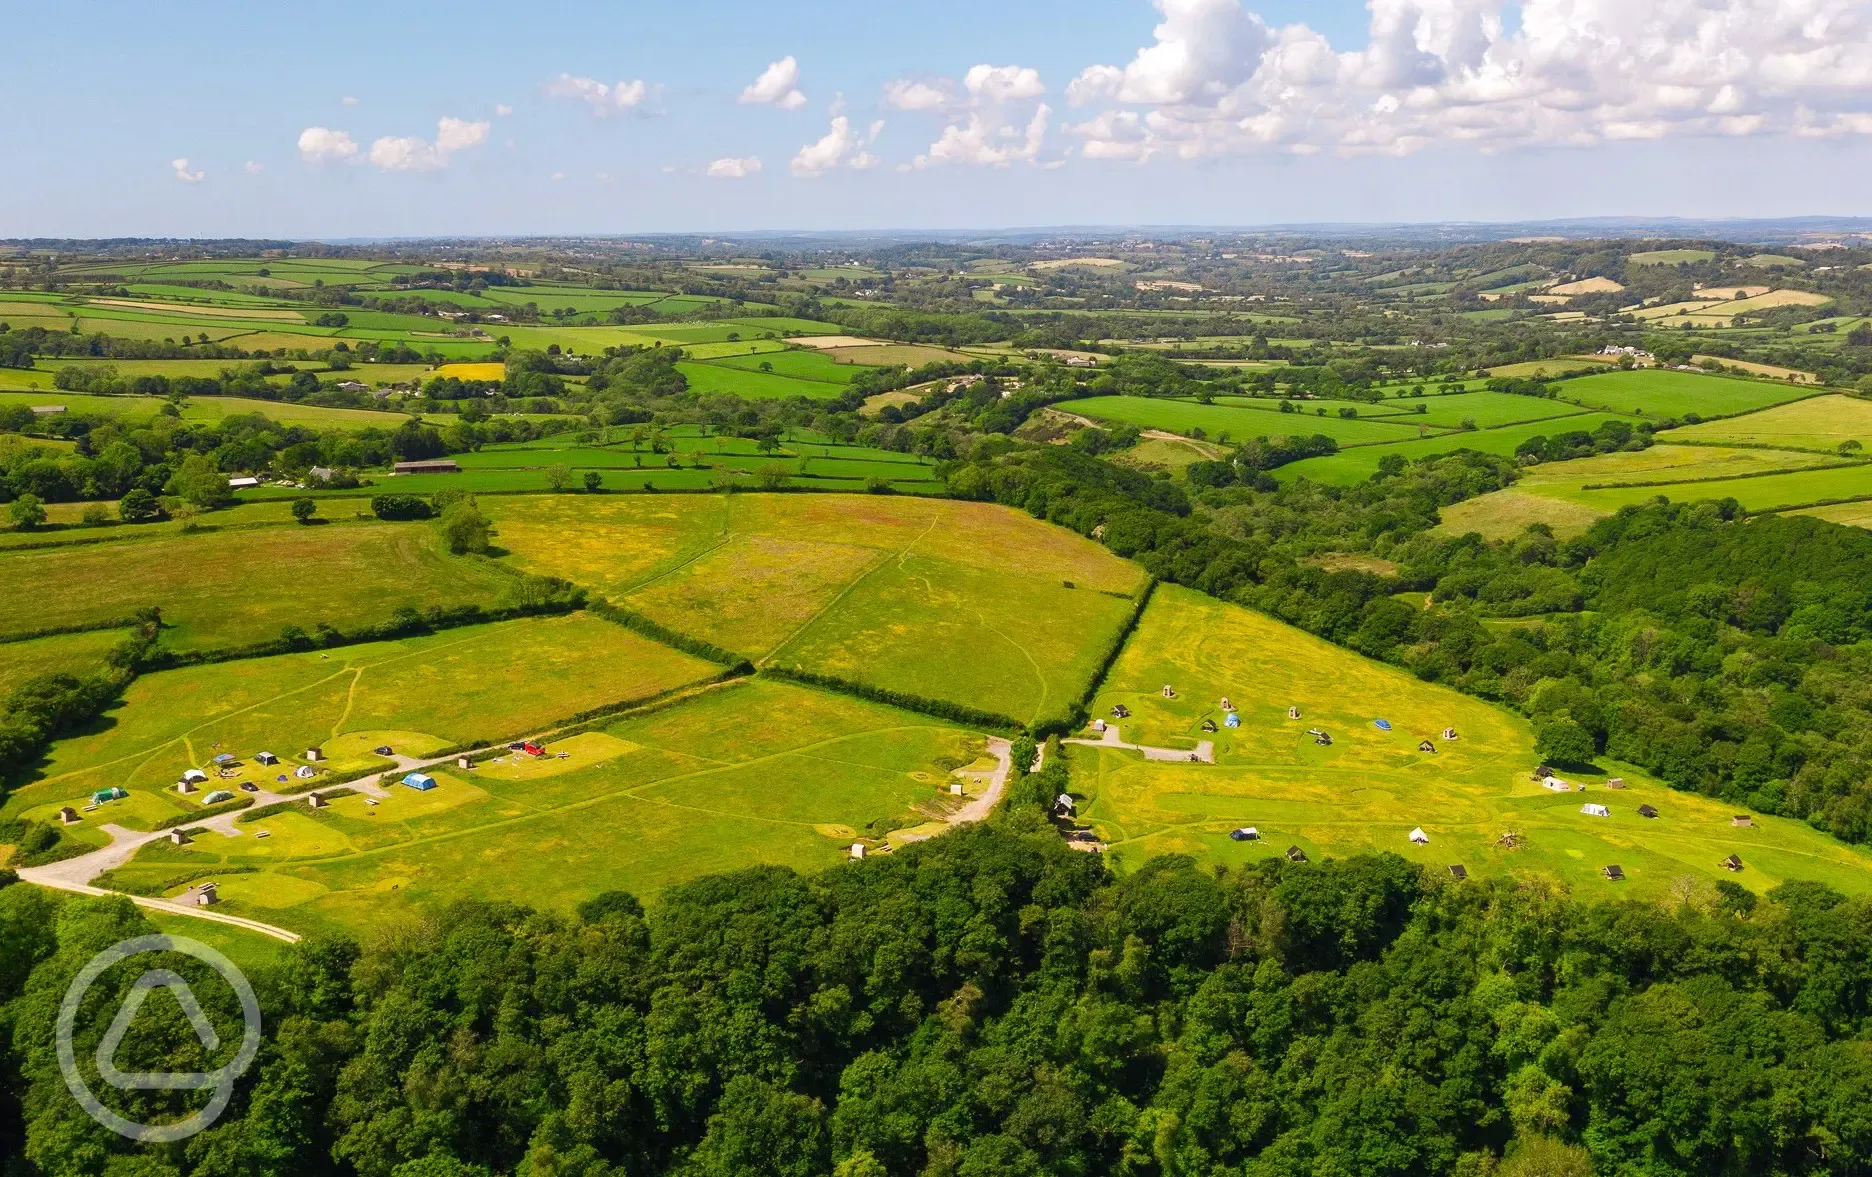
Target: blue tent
<point x="1383" y="725"/>
<point x="1232" y="719"/>
<point x="421" y="782"/>
<point x="224" y="758"/>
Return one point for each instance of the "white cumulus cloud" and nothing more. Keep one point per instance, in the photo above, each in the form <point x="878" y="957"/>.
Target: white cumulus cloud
<point x="254" y="167"/>
<point x="841" y="145"/>
<point x="912" y="94"/>
<point x="985" y="143"/>
<point x="778" y="86"/>
<point x="1003" y="83"/>
<point x="998" y="129"/>
<point x="605" y="100"/>
<point x="503" y="110"/>
<point x="183" y="174"/>
<point x="734" y="167"/>
<point x="1494" y="74"/>
<point x="321" y="145"/>
<point x="406" y="153"/>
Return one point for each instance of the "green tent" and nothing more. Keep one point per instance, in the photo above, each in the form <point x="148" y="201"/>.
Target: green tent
<point x="111" y="794"/>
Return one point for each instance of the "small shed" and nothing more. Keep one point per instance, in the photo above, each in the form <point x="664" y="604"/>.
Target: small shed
<point x="316" y="800"/>
<point x="463" y="762"/>
<point x="422" y="782"/>
<point x="1245" y="834"/>
<point x="857" y="850"/>
<point x="955" y="788"/>
<point x="304" y="772"/>
<point x="185" y="787"/>
<point x="1742" y="820"/>
<point x="1449" y="733"/>
<point x="266" y="758"/>
<point x="1169" y="692"/>
<point x="1458" y="871"/>
<point x="1617" y="782"/>
<point x="179" y="838"/>
<point x="206" y="896"/>
<point x="1063" y="803"/>
<point x="1543" y="772"/>
<point x="1120" y="711"/>
<point x="1647" y="811"/>
<point x="313" y="754"/>
<point x="1592" y="810"/>
<point x="1614" y="873"/>
<point x="68" y="815"/>
<point x="1420" y="838"/>
<point x="1293" y="713"/>
<point x="217" y="797"/>
<point x="1295" y="854"/>
<point x="1732" y="863"/>
<point x="1098" y="725"/>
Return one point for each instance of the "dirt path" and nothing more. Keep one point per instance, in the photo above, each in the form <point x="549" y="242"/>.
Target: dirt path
<point x="1203" y="753"/>
<point x="982" y="806"/>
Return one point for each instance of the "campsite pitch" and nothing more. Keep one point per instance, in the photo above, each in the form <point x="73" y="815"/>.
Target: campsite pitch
<point x="1369" y="788"/>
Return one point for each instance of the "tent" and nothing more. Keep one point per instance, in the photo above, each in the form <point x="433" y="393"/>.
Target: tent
<point x="304" y="772"/>
<point x="1615" y="873"/>
<point x="1293" y="713"/>
<point x="1557" y="785"/>
<point x="421" y="782"/>
<point x="1595" y="810"/>
<point x="224" y="758"/>
<point x="1419" y="837"/>
<point x="110" y="794"/>
<point x="1646" y="811"/>
<point x="1246" y="834"/>
<point x="266" y="758"/>
<point x="1383" y="725"/>
<point x="1209" y="725"/>
<point x="1458" y="871"/>
<point x="1425" y="746"/>
<point x="194" y="775"/>
<point x="217" y="797"/>
<point x="1733" y="862"/>
<point x="1232" y="719"/>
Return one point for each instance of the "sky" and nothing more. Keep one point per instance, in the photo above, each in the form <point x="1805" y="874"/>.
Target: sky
<point x="406" y="118"/>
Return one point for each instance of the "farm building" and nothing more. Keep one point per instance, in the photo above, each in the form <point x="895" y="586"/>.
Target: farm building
<point x="1418" y="837"/>
<point x="1592" y="810"/>
<point x="1647" y="811"/>
<point x="1458" y="871"/>
<point x="1098" y="725"/>
<point x="1614" y="873"/>
<point x="1245" y="834"/>
<point x="422" y="782"/>
<point x="320" y="474"/>
<point x="244" y="482"/>
<point x="429" y="466"/>
<point x="68" y="815"/>
<point x="1732" y="863"/>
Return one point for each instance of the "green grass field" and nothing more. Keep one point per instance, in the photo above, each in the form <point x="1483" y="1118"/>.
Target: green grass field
<point x="1670" y="257"/>
<point x="1370" y="788"/>
<point x="1241" y="423"/>
<point x="208" y="409"/>
<point x="231" y="588"/>
<point x="1359" y="463"/>
<point x="70" y="653"/>
<point x="759" y="772"/>
<point x="1817" y="423"/>
<point x="417" y="695"/>
<point x="1657" y="393"/>
<point x="716" y="377"/>
<point x="803" y="363"/>
<point x="951" y="600"/>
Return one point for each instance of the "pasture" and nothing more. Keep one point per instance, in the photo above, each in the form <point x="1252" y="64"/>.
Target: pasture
<point x="1657" y="393"/>
<point x="1369" y="788"/>
<point x="951" y="600"/>
<point x="1361" y="462"/>
<point x="418" y="695"/>
<point x="753" y="773"/>
<point x="1817" y="423"/>
<point x="754" y="384"/>
<point x="69" y="653"/>
<point x="1240" y="423"/>
<point x="222" y="589"/>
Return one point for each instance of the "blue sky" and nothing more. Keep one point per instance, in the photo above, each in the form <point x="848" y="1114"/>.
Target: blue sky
<point x="346" y="119"/>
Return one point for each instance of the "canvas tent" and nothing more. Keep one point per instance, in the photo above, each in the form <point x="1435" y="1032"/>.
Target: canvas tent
<point x="1419" y="837"/>
<point x="422" y="782"/>
<point x="1595" y="810"/>
<point x="1245" y="834"/>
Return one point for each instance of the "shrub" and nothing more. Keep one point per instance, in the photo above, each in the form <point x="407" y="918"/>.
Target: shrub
<point x="398" y="508"/>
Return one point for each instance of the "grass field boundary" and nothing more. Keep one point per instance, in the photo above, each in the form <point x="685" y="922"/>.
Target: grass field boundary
<point x="1810" y="506"/>
<point x="1076" y="718"/>
<point x="64" y="630"/>
<point x="132" y="532"/>
<point x="639" y="624"/>
<point x="1719" y="477"/>
<point x="902" y="700"/>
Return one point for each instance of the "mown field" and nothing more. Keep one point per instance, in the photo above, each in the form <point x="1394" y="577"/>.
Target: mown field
<point x="418" y="695"/>
<point x="1358" y="463"/>
<point x="71" y="653"/>
<point x="755" y="773"/>
<point x="1659" y="393"/>
<point x="1817" y="423"/>
<point x="1370" y="788"/>
<point x="220" y="589"/>
<point x="961" y="601"/>
<point x="1240" y="423"/>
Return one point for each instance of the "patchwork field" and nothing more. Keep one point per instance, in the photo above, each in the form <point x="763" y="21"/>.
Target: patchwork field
<point x="418" y="695"/>
<point x="1370" y="788"/>
<point x="1659" y="393"/>
<point x="1361" y="462"/>
<point x="232" y="588"/>
<point x="759" y="772"/>
<point x="1240" y="423"/>
<point x="1817" y="423"/>
<point x="952" y="600"/>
